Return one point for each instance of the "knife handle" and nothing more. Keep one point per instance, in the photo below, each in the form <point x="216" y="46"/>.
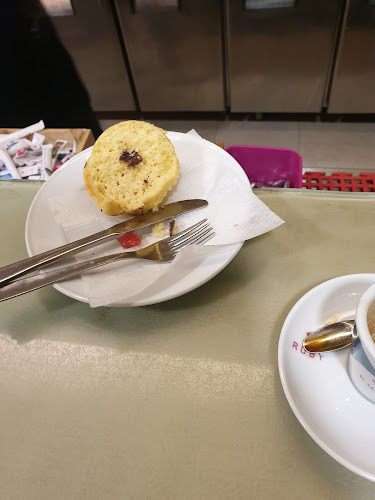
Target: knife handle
<point x="32" y="283"/>
<point x="22" y="267"/>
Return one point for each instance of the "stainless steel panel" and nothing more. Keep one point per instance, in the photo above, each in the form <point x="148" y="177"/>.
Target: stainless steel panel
<point x="175" y="56"/>
<point x="279" y="58"/>
<point x="353" y="87"/>
<point x="91" y="39"/>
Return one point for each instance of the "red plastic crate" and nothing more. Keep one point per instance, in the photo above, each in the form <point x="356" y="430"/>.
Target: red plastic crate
<point x="339" y="181"/>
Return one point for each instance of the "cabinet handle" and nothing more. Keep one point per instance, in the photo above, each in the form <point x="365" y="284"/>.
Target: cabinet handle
<point x="267" y="4"/>
<point x="146" y="6"/>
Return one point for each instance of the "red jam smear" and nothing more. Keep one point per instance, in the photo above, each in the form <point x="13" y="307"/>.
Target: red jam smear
<point x="129" y="240"/>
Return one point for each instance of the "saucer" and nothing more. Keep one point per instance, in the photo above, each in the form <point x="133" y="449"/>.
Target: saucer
<point x="318" y="386"/>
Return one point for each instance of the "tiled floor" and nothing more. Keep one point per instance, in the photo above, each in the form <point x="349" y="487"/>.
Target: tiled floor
<point x="324" y="147"/>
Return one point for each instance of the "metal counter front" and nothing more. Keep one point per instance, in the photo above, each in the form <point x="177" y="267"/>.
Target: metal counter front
<point x="280" y="58"/>
<point x="177" y="400"/>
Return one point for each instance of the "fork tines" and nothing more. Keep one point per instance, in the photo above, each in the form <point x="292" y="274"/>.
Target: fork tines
<point x="198" y="234"/>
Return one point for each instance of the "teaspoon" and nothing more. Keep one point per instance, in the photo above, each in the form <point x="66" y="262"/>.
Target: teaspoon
<point x="330" y="337"/>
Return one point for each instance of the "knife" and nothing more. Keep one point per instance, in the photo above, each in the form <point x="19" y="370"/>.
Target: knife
<point x="18" y="269"/>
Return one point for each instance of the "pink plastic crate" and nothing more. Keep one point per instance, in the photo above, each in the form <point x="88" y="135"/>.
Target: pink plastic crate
<point x="269" y="165"/>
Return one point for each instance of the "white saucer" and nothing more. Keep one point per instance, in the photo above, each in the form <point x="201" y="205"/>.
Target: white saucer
<point x="319" y="389"/>
<point x="43" y="233"/>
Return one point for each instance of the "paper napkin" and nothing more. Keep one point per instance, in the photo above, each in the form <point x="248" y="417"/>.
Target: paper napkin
<point x="233" y="211"/>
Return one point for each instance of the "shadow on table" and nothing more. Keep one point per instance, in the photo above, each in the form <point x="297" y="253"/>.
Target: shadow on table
<point x="48" y="316"/>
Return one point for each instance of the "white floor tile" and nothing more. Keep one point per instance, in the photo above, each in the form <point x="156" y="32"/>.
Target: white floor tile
<point x="324" y="147"/>
<point x="345" y="147"/>
<point x="337" y="132"/>
<point x="108" y="123"/>
<point x="258" y="133"/>
<point x="205" y="128"/>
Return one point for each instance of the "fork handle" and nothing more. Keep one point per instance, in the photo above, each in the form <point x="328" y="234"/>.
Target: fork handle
<point x="26" y="285"/>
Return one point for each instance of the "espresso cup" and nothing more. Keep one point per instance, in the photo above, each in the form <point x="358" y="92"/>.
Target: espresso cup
<point x="362" y="354"/>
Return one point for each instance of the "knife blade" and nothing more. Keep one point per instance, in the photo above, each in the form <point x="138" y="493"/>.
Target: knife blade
<point x="12" y="271"/>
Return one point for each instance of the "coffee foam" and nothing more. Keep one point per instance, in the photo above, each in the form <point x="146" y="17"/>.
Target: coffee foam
<point x="371" y="320"/>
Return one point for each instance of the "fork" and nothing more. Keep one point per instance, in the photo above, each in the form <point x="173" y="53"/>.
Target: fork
<point x="161" y="251"/>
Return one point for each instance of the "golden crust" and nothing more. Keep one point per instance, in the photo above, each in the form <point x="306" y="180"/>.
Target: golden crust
<point x="119" y="186"/>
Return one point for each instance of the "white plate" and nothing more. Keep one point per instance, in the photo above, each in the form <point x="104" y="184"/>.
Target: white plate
<point x="318" y="388"/>
<point x="43" y="233"/>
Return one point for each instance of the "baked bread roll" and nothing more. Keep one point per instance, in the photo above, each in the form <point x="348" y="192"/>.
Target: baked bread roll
<point x="132" y="167"/>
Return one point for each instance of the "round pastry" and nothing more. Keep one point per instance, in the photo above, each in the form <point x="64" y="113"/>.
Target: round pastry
<point x="132" y="167"/>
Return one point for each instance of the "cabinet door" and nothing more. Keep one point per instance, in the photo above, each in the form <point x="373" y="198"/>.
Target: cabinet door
<point x="280" y="53"/>
<point x="353" y="87"/>
<point x="175" y="53"/>
<point x="89" y="34"/>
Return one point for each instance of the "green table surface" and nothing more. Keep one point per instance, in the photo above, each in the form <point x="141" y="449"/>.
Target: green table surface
<point x="179" y="400"/>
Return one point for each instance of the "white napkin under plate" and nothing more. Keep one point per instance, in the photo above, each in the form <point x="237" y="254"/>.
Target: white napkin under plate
<point x="233" y="211"/>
